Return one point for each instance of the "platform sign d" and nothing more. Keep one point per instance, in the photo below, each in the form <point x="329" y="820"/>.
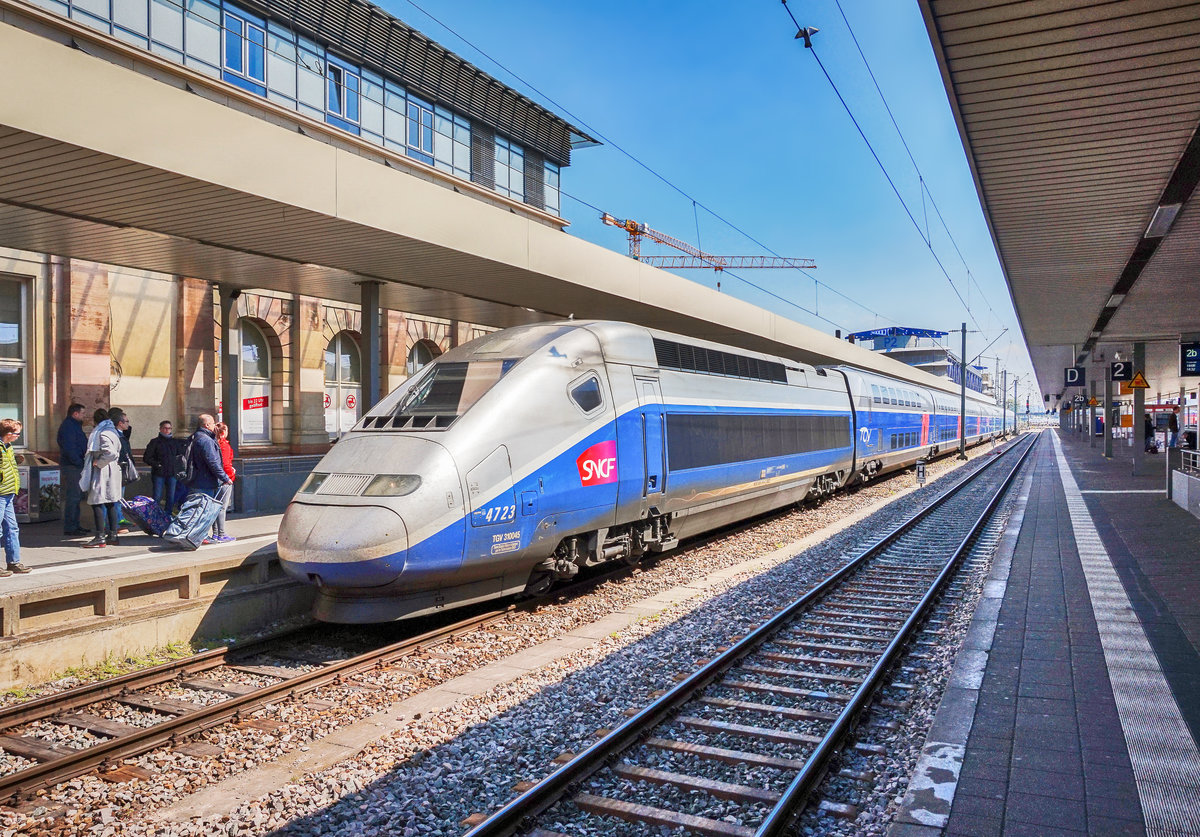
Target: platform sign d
<point x="1189" y="360"/>
<point x="1075" y="376"/>
<point x="1122" y="370"/>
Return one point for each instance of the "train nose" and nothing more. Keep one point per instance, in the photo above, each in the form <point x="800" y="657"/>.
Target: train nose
<point x="342" y="546"/>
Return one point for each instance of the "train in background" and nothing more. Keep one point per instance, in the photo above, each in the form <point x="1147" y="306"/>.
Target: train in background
<point x="512" y="461"/>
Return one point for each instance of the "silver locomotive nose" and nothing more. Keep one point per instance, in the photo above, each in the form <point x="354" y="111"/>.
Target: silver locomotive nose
<point x="342" y="546"/>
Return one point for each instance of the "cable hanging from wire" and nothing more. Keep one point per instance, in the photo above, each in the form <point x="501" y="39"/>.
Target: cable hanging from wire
<point x="806" y="34"/>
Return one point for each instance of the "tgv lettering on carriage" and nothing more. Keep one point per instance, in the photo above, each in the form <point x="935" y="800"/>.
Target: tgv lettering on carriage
<point x="588" y="441"/>
<point x="598" y="464"/>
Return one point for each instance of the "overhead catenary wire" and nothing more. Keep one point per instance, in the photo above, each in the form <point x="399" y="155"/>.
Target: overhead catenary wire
<point x="887" y="175"/>
<point x="696" y="203"/>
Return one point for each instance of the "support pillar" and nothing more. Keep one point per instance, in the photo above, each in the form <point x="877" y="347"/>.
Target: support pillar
<point x="1004" y="406"/>
<point x="1110" y="415"/>
<point x="1140" y="465"/>
<point x="962" y="404"/>
<point x="370" y="338"/>
<point x="231" y="404"/>
<point x="1091" y="428"/>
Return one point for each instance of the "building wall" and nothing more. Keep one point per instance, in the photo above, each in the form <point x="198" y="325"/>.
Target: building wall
<point x="149" y="343"/>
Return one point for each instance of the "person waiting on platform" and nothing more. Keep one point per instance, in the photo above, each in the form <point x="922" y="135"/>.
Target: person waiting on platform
<point x="160" y="455"/>
<point x="208" y="474"/>
<point x="219" y="535"/>
<point x="10" y="484"/>
<point x="72" y="445"/>
<point x="1173" y="428"/>
<point x="102" y="478"/>
<point x="1148" y="432"/>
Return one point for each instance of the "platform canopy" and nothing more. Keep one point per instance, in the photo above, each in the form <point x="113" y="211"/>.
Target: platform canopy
<point x="144" y="163"/>
<point x="1079" y="120"/>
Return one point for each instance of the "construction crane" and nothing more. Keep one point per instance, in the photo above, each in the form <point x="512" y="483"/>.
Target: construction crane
<point x="695" y="258"/>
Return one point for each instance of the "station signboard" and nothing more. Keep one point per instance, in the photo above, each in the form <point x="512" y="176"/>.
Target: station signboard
<point x="1074" y="376"/>
<point x="1189" y="360"/>
<point x="1122" y="370"/>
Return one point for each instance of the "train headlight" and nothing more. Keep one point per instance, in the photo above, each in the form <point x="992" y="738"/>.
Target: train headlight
<point x="313" y="483"/>
<point x="392" y="485"/>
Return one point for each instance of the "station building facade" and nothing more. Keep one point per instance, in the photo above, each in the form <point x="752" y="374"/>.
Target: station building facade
<point x="116" y="335"/>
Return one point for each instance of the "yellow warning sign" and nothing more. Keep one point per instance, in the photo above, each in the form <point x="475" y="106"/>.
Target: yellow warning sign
<point x="1092" y="402"/>
<point x="1139" y="381"/>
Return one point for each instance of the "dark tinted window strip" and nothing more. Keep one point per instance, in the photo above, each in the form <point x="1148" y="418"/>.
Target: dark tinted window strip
<point x="672" y="355"/>
<point x="704" y="440"/>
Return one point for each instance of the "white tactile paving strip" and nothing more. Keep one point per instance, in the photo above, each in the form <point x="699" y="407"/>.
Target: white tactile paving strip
<point x="1166" y="762"/>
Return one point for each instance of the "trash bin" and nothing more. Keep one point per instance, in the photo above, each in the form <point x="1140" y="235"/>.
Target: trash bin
<point x="40" y="495"/>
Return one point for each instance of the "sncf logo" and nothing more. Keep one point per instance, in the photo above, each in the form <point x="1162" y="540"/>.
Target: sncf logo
<point x="598" y="464"/>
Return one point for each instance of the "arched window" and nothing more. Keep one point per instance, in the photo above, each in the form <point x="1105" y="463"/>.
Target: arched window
<point x="343" y="384"/>
<point x="421" y="355"/>
<point x="255" y="385"/>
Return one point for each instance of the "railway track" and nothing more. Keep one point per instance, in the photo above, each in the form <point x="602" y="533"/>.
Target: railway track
<point x="215" y="679"/>
<point x="736" y="748"/>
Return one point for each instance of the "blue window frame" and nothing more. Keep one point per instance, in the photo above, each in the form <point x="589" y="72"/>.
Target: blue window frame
<point x="245" y="53"/>
<point x="551" y="190"/>
<point x="343" y="94"/>
<point x="420" y="130"/>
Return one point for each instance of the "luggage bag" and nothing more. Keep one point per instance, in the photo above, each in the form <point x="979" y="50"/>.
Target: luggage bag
<point x="195" y="520"/>
<point x="146" y="514"/>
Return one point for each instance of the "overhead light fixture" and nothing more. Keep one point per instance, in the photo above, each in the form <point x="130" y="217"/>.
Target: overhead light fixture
<point x="1095" y="334"/>
<point x="1164" y="217"/>
<point x="1115" y="300"/>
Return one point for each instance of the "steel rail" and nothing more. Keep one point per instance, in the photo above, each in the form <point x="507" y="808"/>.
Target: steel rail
<point x="549" y="790"/>
<point x="789" y="807"/>
<point x="76" y="762"/>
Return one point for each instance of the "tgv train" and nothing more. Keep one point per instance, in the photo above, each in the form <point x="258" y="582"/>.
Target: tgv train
<point x="518" y="458"/>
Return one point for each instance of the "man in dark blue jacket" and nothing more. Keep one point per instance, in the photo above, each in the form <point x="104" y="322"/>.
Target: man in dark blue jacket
<point x="72" y="444"/>
<point x="207" y="472"/>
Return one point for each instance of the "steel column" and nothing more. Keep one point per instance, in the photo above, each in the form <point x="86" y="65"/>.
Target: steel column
<point x="372" y="367"/>
<point x="231" y="345"/>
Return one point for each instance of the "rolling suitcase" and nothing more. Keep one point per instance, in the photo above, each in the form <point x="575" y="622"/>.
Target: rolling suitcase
<point x="194" y="522"/>
<point x="146" y="514"/>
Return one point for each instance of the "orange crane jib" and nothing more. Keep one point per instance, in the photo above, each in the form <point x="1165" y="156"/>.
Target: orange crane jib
<point x="695" y="258"/>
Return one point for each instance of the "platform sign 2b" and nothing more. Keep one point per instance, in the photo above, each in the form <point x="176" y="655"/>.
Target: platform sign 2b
<point x="1189" y="360"/>
<point x="1075" y="376"/>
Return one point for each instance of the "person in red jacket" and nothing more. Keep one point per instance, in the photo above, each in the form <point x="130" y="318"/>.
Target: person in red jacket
<point x="218" y="533"/>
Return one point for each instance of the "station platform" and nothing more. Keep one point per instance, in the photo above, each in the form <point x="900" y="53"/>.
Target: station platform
<point x="80" y="606"/>
<point x="1074" y="704"/>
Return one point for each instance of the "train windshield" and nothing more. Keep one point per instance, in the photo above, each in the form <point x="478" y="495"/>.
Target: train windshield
<point x="440" y="394"/>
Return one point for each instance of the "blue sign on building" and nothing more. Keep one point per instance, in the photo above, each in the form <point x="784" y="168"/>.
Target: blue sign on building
<point x="1189" y="360"/>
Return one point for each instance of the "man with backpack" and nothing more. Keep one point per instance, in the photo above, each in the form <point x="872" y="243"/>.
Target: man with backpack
<point x="201" y="469"/>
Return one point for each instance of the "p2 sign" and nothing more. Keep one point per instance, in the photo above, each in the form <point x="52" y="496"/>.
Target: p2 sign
<point x="598" y="464"/>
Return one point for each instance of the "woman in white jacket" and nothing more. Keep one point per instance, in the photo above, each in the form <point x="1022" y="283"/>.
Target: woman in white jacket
<point x="101" y="478"/>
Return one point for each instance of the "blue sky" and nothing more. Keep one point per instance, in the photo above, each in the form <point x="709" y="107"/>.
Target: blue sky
<point x="720" y="100"/>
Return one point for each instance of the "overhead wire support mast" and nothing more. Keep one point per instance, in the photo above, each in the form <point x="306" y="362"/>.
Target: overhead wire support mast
<point x="695" y="258"/>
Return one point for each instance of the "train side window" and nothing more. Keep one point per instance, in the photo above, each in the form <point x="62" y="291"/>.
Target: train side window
<point x="586" y="394"/>
<point x="875" y="394"/>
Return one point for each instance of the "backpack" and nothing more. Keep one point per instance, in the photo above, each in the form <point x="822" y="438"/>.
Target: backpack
<point x="181" y="463"/>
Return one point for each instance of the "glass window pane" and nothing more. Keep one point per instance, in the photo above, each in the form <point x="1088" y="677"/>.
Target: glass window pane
<point x="203" y="32"/>
<point x="233" y="44"/>
<point x="256" y="356"/>
<point x="330" y="364"/>
<point x="132" y="14"/>
<point x="335" y="91"/>
<point x="352" y="96"/>
<point x="166" y="23"/>
<point x="11" y="336"/>
<point x="99" y="8"/>
<point x="351" y="369"/>
<point x="256" y="53"/>
<point x="311" y="82"/>
<point x="12" y="397"/>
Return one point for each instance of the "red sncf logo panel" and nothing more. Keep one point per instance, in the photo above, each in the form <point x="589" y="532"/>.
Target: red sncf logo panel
<point x="598" y="464"/>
